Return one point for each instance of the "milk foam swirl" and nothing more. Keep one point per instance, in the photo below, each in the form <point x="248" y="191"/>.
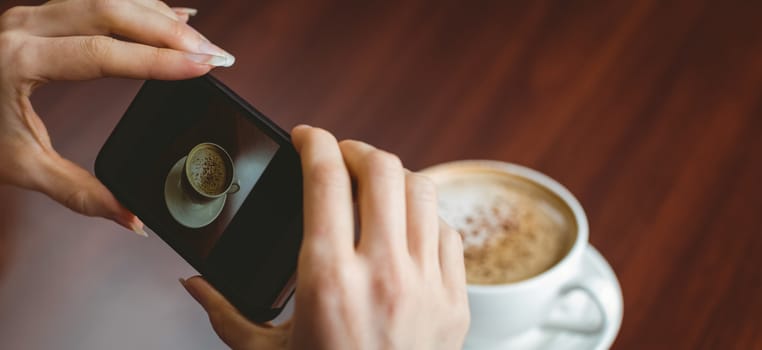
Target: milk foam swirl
<point x="509" y="234"/>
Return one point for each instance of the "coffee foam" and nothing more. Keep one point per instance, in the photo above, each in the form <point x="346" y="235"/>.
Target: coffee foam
<point x="510" y="230"/>
<point x="208" y="171"/>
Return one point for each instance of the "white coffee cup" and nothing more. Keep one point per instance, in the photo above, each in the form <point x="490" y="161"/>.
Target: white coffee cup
<point x="504" y="311"/>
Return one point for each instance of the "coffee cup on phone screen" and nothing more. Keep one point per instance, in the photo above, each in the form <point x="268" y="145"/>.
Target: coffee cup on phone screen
<point x="208" y="173"/>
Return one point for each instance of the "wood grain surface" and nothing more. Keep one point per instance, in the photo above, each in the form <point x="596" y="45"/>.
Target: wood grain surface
<point x="650" y="112"/>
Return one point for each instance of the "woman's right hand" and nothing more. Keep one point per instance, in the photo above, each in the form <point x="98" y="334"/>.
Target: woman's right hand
<point x="401" y="286"/>
<point x="72" y="40"/>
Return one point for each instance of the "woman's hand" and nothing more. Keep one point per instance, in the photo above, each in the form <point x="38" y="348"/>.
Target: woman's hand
<point x="402" y="286"/>
<point x="72" y="40"/>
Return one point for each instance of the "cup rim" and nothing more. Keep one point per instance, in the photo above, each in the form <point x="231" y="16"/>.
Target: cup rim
<point x="230" y="181"/>
<point x="551" y="185"/>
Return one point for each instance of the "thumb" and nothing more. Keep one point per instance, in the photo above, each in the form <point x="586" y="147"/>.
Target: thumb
<point x="77" y="189"/>
<point x="230" y="325"/>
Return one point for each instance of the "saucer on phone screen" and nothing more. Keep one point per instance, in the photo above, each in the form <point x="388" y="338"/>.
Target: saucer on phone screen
<point x="578" y="307"/>
<point x="182" y="208"/>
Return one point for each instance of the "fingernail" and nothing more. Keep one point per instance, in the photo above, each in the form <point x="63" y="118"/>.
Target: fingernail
<point x="207" y="48"/>
<point x="212" y="60"/>
<point x="185" y="11"/>
<point x="301" y="126"/>
<point x="184" y="283"/>
<point x="139" y="230"/>
<point x="188" y="288"/>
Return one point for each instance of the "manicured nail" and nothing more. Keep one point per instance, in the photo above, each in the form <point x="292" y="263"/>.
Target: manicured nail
<point x="212" y="60"/>
<point x="184" y="283"/>
<point x="185" y="11"/>
<point x="207" y="48"/>
<point x="139" y="230"/>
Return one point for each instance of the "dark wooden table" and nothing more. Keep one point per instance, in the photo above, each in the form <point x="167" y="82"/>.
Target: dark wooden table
<point x="650" y="112"/>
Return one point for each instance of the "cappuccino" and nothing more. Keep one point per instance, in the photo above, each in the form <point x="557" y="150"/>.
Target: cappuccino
<point x="512" y="228"/>
<point x="208" y="170"/>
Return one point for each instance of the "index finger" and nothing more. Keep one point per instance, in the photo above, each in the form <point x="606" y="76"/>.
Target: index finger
<point x="89" y="57"/>
<point x="328" y="215"/>
<point x="124" y="18"/>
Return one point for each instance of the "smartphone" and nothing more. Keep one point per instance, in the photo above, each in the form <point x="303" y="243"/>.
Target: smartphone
<point x="215" y="179"/>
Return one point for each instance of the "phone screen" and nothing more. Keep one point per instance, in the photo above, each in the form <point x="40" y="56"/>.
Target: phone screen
<point x="217" y="181"/>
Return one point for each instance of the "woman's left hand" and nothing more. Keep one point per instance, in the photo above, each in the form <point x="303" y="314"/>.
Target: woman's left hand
<point x="72" y="40"/>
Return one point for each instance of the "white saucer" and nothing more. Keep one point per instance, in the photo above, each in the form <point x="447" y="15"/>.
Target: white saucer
<point x="182" y="208"/>
<point x="577" y="306"/>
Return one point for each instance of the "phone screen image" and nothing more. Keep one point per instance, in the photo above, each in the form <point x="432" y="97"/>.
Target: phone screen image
<point x="215" y="182"/>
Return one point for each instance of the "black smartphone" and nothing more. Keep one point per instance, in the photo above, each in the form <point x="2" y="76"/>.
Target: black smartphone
<point x="215" y="179"/>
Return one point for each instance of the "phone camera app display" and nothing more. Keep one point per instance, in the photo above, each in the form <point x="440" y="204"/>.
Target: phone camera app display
<point x="205" y="188"/>
<point x="217" y="181"/>
<point x="198" y="160"/>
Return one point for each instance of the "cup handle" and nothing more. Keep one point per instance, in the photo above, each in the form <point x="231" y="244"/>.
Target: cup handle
<point x="234" y="187"/>
<point x="597" y="290"/>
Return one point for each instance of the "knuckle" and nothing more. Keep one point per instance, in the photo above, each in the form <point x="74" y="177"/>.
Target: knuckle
<point x="158" y="57"/>
<point x="421" y="187"/>
<point x="77" y="201"/>
<point x="389" y="285"/>
<point x="318" y="258"/>
<point x="326" y="174"/>
<point x="97" y="48"/>
<point x="393" y="293"/>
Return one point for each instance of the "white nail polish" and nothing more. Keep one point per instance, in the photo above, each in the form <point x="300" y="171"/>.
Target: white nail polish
<point x="212" y="60"/>
<point x="230" y="60"/>
<point x="139" y="230"/>
<point x="225" y="59"/>
<point x="208" y="48"/>
<point x="185" y="11"/>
